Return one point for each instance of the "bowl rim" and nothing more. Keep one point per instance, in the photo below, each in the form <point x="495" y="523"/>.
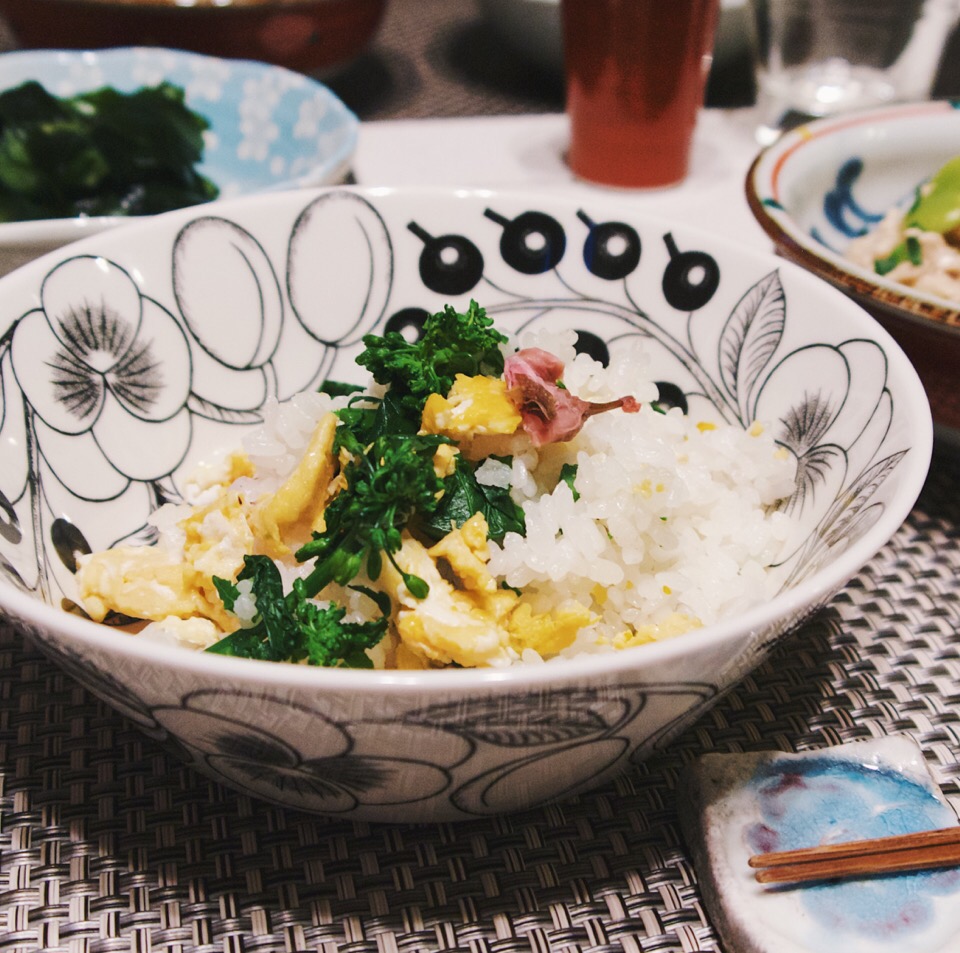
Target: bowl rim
<point x="762" y="180"/>
<point x="40" y="232"/>
<point x="799" y="601"/>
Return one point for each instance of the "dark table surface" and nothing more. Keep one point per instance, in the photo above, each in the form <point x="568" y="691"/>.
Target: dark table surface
<point x="435" y="58"/>
<point x="109" y="843"/>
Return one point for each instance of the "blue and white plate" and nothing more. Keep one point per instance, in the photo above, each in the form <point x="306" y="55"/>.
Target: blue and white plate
<point x="270" y="129"/>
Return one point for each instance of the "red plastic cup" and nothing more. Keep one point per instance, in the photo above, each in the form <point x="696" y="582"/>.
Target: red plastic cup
<point x="636" y="71"/>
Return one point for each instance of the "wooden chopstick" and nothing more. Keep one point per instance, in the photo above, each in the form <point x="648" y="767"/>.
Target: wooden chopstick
<point x="924" y="850"/>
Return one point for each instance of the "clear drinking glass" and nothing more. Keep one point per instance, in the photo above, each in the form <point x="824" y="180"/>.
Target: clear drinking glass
<point x="821" y="57"/>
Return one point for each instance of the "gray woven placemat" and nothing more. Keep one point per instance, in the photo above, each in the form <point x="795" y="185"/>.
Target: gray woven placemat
<point x="107" y="843"/>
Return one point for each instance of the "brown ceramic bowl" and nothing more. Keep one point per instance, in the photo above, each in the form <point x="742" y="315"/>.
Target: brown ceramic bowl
<point x="821" y="184"/>
<point x="305" y="35"/>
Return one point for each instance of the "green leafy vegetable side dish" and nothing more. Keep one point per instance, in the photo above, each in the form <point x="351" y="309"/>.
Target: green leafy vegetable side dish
<point x="99" y="153"/>
<point x="390" y="484"/>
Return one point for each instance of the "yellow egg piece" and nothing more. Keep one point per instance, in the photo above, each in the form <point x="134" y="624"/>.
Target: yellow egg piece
<point x="138" y="581"/>
<point x="295" y="510"/>
<point x="155" y="583"/>
<point x="466" y="619"/>
<point x="550" y="632"/>
<point x="474" y="405"/>
<point x="673" y="625"/>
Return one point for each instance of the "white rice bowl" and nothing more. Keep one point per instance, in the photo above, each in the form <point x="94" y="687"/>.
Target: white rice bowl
<point x="762" y="526"/>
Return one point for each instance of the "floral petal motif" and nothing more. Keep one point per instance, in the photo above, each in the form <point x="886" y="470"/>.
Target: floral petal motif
<point x="865" y="450"/>
<point x="224" y="386"/>
<point x="219" y="723"/>
<point x="79" y="464"/>
<point x="868" y="382"/>
<point x="749" y="339"/>
<point x="581" y="766"/>
<point x="320" y="786"/>
<point x="62" y="390"/>
<point x="152" y="378"/>
<point x="303" y="361"/>
<point x="134" y="504"/>
<point x="93" y="307"/>
<point x="821" y="472"/>
<point x="412" y="735"/>
<point x="325" y="769"/>
<point x="806" y="423"/>
<point x="237" y="318"/>
<point x="68" y="359"/>
<point x="337" y="307"/>
<point x="529" y="721"/>
<point x="139" y="449"/>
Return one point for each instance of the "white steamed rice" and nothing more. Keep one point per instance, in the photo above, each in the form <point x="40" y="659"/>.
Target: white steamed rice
<point x="675" y="518"/>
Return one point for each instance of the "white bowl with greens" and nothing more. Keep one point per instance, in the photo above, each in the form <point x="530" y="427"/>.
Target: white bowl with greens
<point x="89" y="139"/>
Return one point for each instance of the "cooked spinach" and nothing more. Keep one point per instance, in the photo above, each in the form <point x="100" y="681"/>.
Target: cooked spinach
<point x="99" y="153"/>
<point x="465" y="495"/>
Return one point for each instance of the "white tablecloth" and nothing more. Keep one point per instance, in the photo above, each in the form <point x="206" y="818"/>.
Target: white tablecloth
<point x="526" y="152"/>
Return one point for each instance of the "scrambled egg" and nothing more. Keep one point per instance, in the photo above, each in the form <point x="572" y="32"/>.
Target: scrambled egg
<point x="466" y="618"/>
<point x="673" y="625"/>
<point x="296" y="509"/>
<point x="163" y="584"/>
<point x="475" y="406"/>
<point x="158" y="582"/>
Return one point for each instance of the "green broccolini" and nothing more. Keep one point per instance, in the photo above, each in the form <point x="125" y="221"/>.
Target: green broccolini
<point x="291" y="627"/>
<point x="389" y="484"/>
<point x="451" y="343"/>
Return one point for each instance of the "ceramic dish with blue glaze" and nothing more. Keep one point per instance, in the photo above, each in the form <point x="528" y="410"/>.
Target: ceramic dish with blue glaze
<point x="270" y="129"/>
<point x="735" y="805"/>
<point x="823" y="184"/>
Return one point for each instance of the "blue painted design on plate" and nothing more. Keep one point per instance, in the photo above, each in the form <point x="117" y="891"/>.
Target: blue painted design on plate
<point x="841" y="209"/>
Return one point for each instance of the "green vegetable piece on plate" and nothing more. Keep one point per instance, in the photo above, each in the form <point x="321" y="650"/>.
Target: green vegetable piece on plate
<point x="568" y="475"/>
<point x="451" y="343"/>
<point x="907" y="250"/>
<point x="463" y="496"/>
<point x="937" y="206"/>
<point x="386" y="484"/>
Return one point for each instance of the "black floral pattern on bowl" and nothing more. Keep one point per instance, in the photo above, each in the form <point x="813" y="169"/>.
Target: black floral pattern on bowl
<point x="114" y="385"/>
